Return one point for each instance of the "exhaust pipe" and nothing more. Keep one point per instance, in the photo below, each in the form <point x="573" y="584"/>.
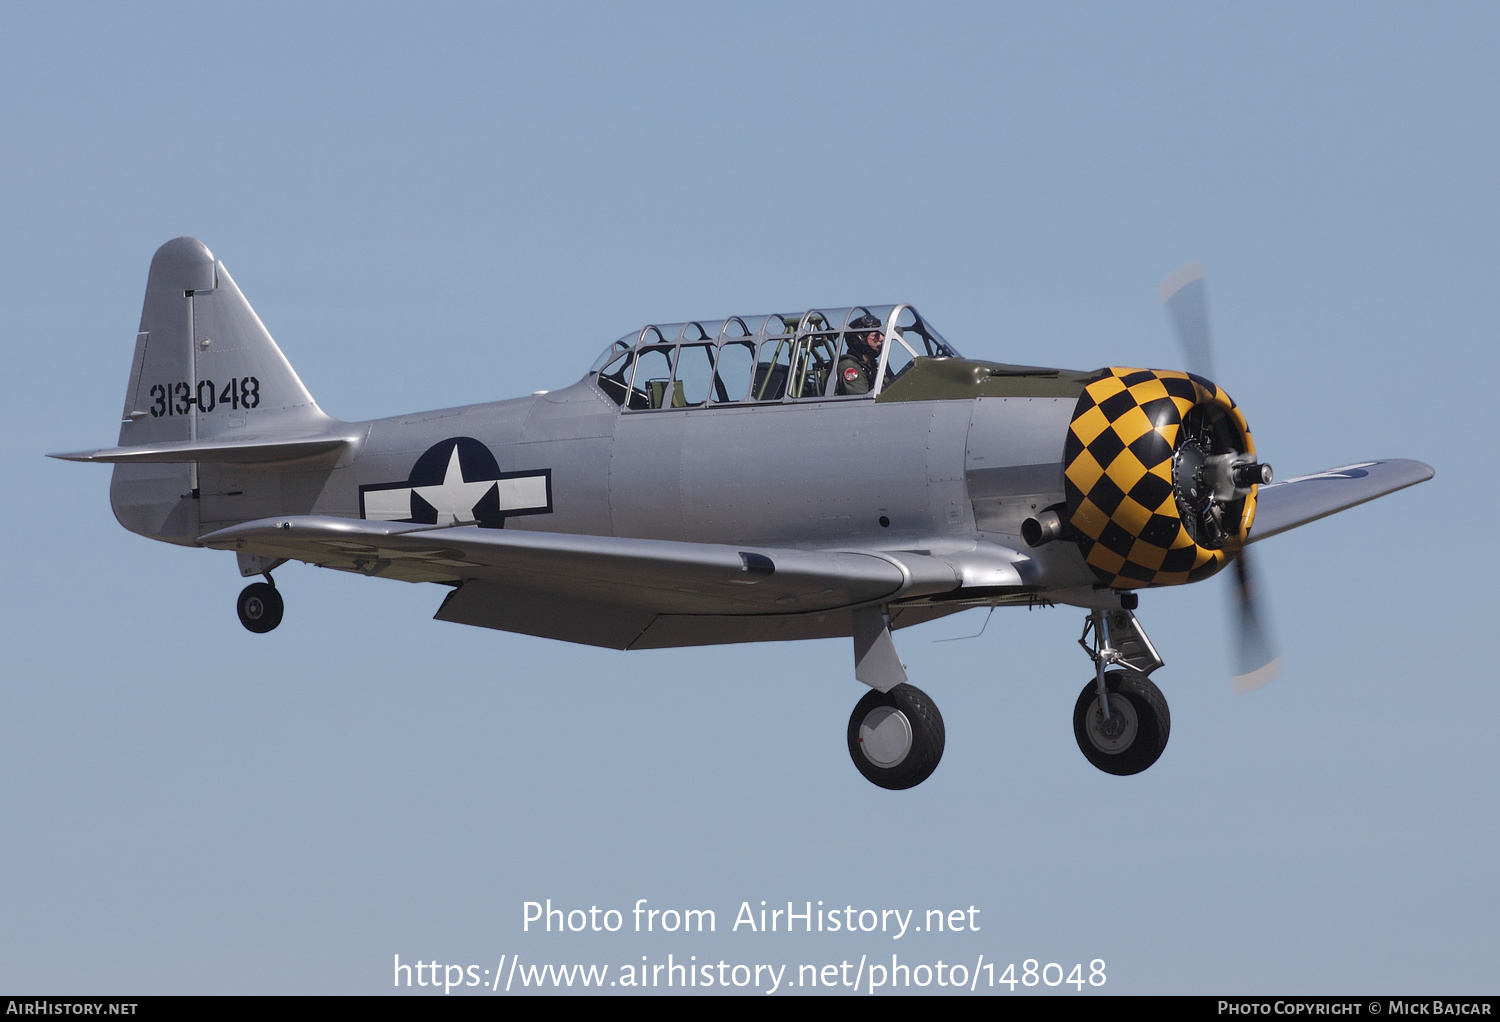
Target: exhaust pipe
<point x="1043" y="528"/>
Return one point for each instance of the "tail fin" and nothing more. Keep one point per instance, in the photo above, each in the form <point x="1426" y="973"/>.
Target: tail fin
<point x="204" y="367"/>
<point x="204" y="363"/>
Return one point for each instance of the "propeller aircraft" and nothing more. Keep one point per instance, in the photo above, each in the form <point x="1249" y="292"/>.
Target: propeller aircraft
<point x="842" y="472"/>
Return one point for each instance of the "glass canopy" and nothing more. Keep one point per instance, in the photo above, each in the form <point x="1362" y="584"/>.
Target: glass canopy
<point x="821" y="354"/>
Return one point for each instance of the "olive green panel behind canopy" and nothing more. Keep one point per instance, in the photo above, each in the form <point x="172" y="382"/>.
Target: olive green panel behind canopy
<point x="953" y="379"/>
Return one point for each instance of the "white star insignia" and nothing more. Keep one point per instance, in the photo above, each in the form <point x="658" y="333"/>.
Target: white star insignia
<point x="453" y="498"/>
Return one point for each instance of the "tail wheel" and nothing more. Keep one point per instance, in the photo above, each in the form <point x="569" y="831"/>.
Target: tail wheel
<point x="896" y="737"/>
<point x="260" y="607"/>
<point x="1136" y="732"/>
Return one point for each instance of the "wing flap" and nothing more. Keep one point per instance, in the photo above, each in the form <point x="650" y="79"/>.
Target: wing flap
<point x="1285" y="505"/>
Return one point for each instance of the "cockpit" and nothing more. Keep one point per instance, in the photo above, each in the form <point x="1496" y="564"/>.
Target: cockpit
<point x="814" y="356"/>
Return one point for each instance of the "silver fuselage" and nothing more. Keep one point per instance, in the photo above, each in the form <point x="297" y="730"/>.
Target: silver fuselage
<point x="804" y="474"/>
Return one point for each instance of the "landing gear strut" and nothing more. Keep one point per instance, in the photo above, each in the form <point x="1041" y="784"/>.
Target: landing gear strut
<point x="1121" y="720"/>
<point x="896" y="737"/>
<point x="260" y="606"/>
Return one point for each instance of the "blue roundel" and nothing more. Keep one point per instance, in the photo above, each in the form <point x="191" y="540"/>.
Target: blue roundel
<point x="473" y="457"/>
<point x="476" y="463"/>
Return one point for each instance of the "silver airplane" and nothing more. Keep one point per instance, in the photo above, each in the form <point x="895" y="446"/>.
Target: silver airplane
<point x="839" y="472"/>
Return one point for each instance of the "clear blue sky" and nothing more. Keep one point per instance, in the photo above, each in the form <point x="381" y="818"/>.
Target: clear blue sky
<point x="447" y="204"/>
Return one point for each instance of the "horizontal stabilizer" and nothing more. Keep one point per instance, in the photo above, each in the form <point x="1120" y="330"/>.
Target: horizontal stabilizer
<point x="1285" y="505"/>
<point x="264" y="451"/>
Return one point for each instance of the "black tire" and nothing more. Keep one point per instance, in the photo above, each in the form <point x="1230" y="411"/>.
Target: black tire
<point x="1141" y="724"/>
<point x="920" y="757"/>
<point x="260" y="607"/>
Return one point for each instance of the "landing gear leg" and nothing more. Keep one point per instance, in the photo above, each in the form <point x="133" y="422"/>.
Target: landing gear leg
<point x="260" y="606"/>
<point x="1121" y="721"/>
<point x="895" y="733"/>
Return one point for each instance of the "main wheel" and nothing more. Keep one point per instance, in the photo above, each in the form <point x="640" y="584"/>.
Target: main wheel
<point x="1135" y="734"/>
<point x="260" y="607"/>
<point x="896" y="737"/>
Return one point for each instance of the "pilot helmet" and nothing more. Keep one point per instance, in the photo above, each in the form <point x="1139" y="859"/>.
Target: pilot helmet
<point x="859" y="329"/>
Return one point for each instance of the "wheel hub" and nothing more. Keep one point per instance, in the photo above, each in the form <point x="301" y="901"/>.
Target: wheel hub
<point x="885" y="736"/>
<point x="254" y="608"/>
<point x="1115" y="735"/>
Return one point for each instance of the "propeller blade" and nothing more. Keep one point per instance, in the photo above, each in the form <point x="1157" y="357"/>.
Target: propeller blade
<point x="1257" y="661"/>
<point x="1185" y="296"/>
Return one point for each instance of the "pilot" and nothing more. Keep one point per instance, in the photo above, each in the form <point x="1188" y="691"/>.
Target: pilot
<point x="857" y="368"/>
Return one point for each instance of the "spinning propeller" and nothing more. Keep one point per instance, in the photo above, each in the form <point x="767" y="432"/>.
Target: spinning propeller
<point x="1256" y="659"/>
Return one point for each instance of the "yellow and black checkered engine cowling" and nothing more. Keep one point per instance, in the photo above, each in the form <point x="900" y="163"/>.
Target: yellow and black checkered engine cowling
<point x="1122" y="503"/>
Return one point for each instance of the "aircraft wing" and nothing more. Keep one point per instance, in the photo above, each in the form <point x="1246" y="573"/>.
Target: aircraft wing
<point x="1285" y="505"/>
<point x="603" y="590"/>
